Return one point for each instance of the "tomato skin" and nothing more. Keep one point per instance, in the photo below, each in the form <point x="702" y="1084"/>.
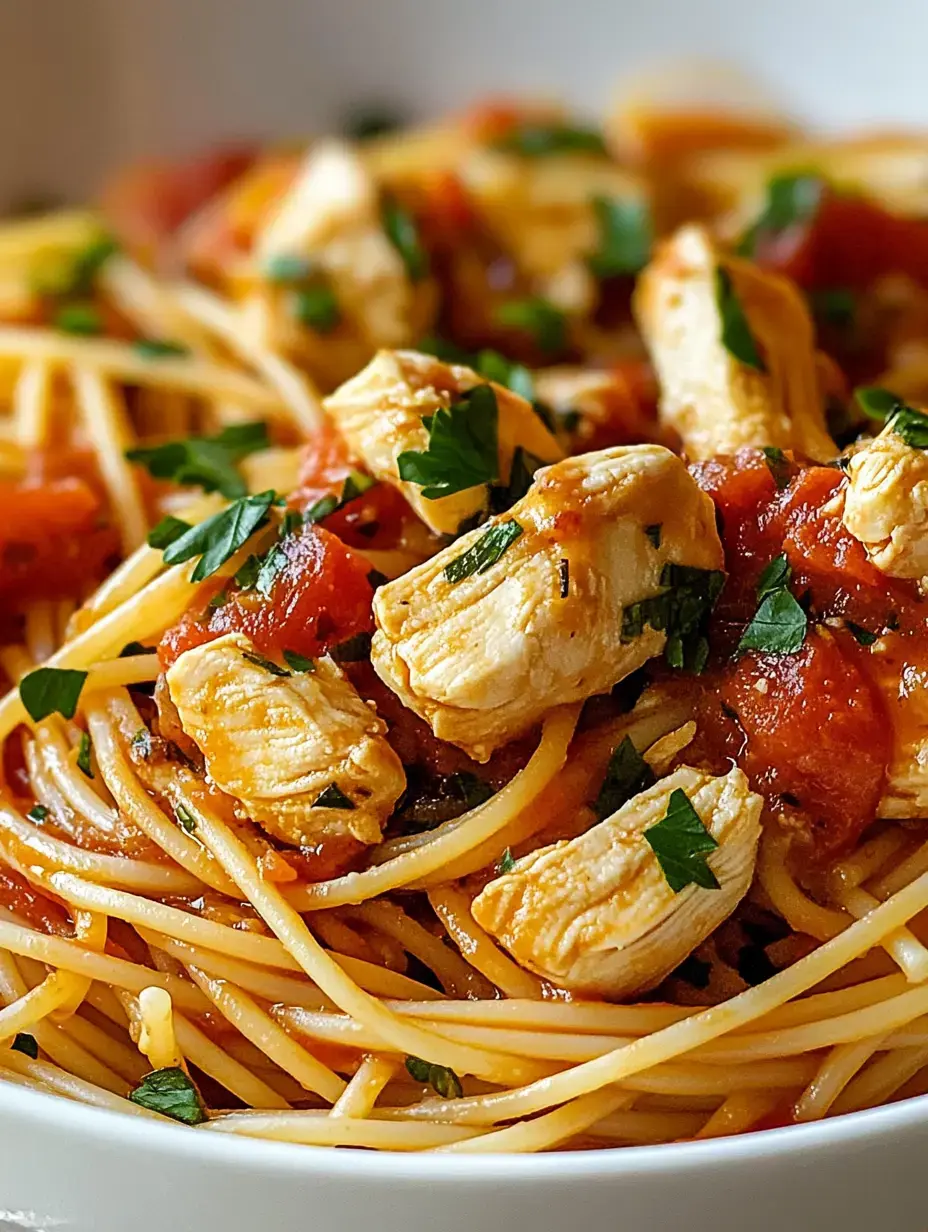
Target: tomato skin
<point x="51" y="540"/>
<point x="320" y="598"/>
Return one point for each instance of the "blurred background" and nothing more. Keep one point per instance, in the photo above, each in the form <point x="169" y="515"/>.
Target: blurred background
<point x="87" y="84"/>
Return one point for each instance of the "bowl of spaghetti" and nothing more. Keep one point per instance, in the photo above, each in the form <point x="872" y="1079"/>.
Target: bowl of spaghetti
<point x="463" y="648"/>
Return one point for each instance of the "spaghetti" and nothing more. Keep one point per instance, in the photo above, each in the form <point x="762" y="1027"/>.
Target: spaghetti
<point x="593" y="822"/>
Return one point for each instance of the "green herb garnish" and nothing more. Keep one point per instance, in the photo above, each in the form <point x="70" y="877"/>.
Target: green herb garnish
<point x="463" y="449"/>
<point x="170" y="1092"/>
<point x="81" y="319"/>
<point x="792" y="200"/>
<point x="333" y="797"/>
<point x="546" y="324"/>
<point x="266" y="665"/>
<point x="536" y="139"/>
<point x="185" y="819"/>
<point x="317" y="308"/>
<point x="83" y="755"/>
<point x="207" y="461"/>
<point x="441" y="1079"/>
<point x="298" y="663"/>
<point x="681" y="610"/>
<point x="51" y="690"/>
<point x="627" y="775"/>
<point x="288" y="267"/>
<point x="681" y="843"/>
<point x="862" y="636"/>
<point x="496" y="367"/>
<point x="163" y="534"/>
<point x="483" y="554"/>
<point x="160" y="348"/>
<point x="403" y="234"/>
<point x="779" y="466"/>
<point x="779" y="626"/>
<point x="221" y="536"/>
<point x="625" y="237"/>
<point x="38" y="812"/>
<point x="736" y="336"/>
<point x="141" y="743"/>
<point x="505" y="864"/>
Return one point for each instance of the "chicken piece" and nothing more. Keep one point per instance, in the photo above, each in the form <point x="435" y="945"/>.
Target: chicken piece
<point x="542" y="606"/>
<point x="597" y="914"/>
<point x="307" y="758"/>
<point x="332" y="216"/>
<point x="379" y="412"/>
<point x="715" y="401"/>
<point x="541" y="211"/>
<point x="886" y="504"/>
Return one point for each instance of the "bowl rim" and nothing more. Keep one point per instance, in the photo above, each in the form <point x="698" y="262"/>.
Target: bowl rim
<point x="100" y="1127"/>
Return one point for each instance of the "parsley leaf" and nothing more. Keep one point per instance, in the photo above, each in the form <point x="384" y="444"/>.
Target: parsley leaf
<point x="463" y="448"/>
<point x="505" y="864"/>
<point x="266" y="664"/>
<point x="521" y="478"/>
<point x="625" y="237"/>
<point x="536" y="139"/>
<point x="875" y="402"/>
<point x="51" y="690"/>
<point x="287" y="267"/>
<point x="403" y="234"/>
<point x="159" y="348"/>
<point x="334" y="798"/>
<point x="163" y="534"/>
<point x="496" y="367"/>
<point x="626" y="775"/>
<point x="83" y="755"/>
<point x="81" y="319"/>
<point x="220" y="536"/>
<point x="793" y="199"/>
<point x="274" y="562"/>
<point x="483" y="554"/>
<point x="779" y="466"/>
<point x="298" y="663"/>
<point x="681" y="843"/>
<point x="775" y="577"/>
<point x="862" y="636"/>
<point x="538" y="317"/>
<point x="681" y="610"/>
<point x="317" y="308"/>
<point x="38" y="812"/>
<point x="170" y="1092"/>
<point x="911" y="425"/>
<point x="441" y="1079"/>
<point x="208" y="461"/>
<point x="77" y="275"/>
<point x="25" y="1044"/>
<point x="141" y="743"/>
<point x="185" y="819"/>
<point x="737" y="338"/>
<point x="779" y="625"/>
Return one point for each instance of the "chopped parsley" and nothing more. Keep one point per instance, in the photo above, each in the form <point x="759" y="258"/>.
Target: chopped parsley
<point x="681" y="610"/>
<point x="51" y="690"/>
<point x="505" y="864"/>
<point x="442" y="1080"/>
<point x="779" y="466"/>
<point x="483" y="554"/>
<point x="779" y="625"/>
<point x="185" y="819"/>
<point x="298" y="663"/>
<point x="170" y="1092"/>
<point x="537" y="139"/>
<point x="653" y="532"/>
<point x="221" y="536"/>
<point x="463" y="449"/>
<point x="163" y="534"/>
<point x="266" y="665"/>
<point x="333" y="797"/>
<point x="906" y="421"/>
<point x="316" y="307"/>
<point x="737" y="338"/>
<point x="160" y="348"/>
<point x="625" y="237"/>
<point x="521" y="478"/>
<point x="38" y="812"/>
<point x="681" y="843"/>
<point x="289" y="267"/>
<point x="206" y="461"/>
<point x="627" y="775"/>
<point x="81" y="319"/>
<point x="546" y="324"/>
<point x="862" y="636"/>
<point x="141" y="743"/>
<point x="25" y="1044"/>
<point x="563" y="573"/>
<point x="876" y="402"/>
<point x="83" y="755"/>
<point x="793" y="199"/>
<point x="496" y="367"/>
<point x="77" y="275"/>
<point x="403" y="234"/>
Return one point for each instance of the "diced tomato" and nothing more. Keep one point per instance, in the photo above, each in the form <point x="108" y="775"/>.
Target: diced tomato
<point x="373" y="519"/>
<point x="447" y="212"/>
<point x="321" y="597"/>
<point x="51" y="540"/>
<point x="37" y="909"/>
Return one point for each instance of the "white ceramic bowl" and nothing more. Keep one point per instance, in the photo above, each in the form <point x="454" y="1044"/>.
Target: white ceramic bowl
<point x="84" y="85"/>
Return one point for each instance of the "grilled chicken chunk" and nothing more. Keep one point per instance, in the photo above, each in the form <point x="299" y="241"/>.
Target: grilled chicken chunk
<point x="886" y="504"/>
<point x="332" y="218"/>
<point x="597" y="914"/>
<point x="537" y="608"/>
<point x="717" y="402"/>
<point x="307" y="758"/>
<point x="380" y="411"/>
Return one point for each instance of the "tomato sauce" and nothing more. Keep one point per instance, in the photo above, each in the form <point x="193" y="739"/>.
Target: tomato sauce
<point x="319" y="598"/>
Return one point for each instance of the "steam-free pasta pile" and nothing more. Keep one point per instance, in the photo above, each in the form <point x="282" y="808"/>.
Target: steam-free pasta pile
<point x="461" y="604"/>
